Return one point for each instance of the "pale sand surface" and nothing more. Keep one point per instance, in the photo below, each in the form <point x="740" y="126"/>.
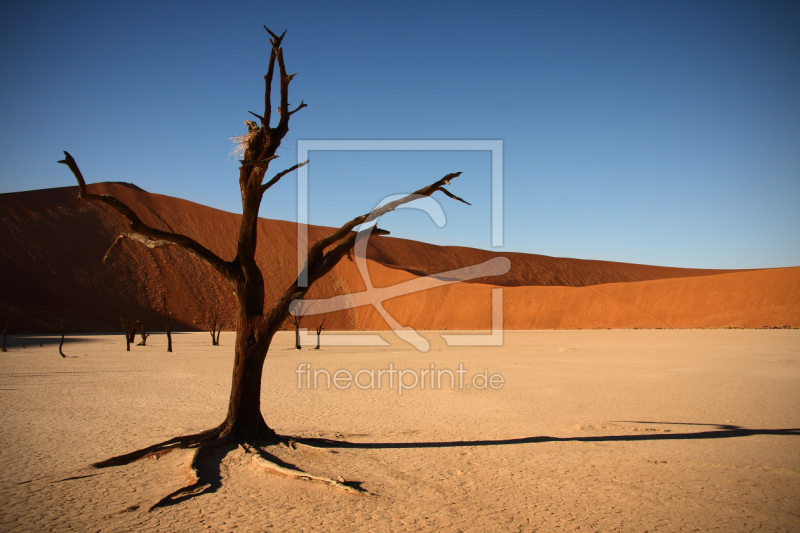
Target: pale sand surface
<point x="60" y="415"/>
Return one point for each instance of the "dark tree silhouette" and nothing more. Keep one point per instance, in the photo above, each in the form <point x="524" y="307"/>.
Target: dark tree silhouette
<point x="169" y="320"/>
<point x="143" y="333"/>
<point x="215" y="324"/>
<point x="129" y="326"/>
<point x="257" y="321"/>
<point x="294" y="319"/>
<point x="61" y="346"/>
<point x="5" y="328"/>
<point x="319" y="331"/>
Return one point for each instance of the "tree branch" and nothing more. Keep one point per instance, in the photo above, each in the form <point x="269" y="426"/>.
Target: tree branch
<point x="283" y="109"/>
<point x="320" y="262"/>
<point x="276" y="43"/>
<point x="453" y="196"/>
<point x="141" y="232"/>
<point x="258" y="117"/>
<point x="301" y="106"/>
<point x="138" y="237"/>
<point x="113" y="247"/>
<point x="373" y="215"/>
<point x="257" y="163"/>
<point x="279" y="175"/>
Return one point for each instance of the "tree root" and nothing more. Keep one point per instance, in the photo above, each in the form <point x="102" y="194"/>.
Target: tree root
<point x="270" y="462"/>
<point x="207" y="441"/>
<point x="185" y="441"/>
<point x="200" y="484"/>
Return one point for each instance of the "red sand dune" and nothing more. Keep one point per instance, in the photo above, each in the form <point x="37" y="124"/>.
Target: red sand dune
<point x="751" y="299"/>
<point x="52" y="246"/>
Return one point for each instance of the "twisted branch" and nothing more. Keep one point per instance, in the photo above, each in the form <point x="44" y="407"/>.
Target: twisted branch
<point x="376" y="213"/>
<point x="321" y="262"/>
<point x="143" y="233"/>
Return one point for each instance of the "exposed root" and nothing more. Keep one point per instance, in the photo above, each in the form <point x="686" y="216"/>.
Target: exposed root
<point x="270" y="462"/>
<point x="207" y="441"/>
<point x="200" y="484"/>
<point x="185" y="441"/>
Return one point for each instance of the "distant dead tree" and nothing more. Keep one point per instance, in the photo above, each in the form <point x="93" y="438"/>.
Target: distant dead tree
<point x="61" y="346"/>
<point x="257" y="321"/>
<point x="169" y="320"/>
<point x="294" y="318"/>
<point x="214" y="326"/>
<point x="129" y="326"/>
<point x="319" y="331"/>
<point x="5" y="328"/>
<point x="143" y="333"/>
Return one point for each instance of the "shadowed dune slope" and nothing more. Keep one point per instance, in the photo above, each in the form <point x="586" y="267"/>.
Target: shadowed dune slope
<point x="52" y="245"/>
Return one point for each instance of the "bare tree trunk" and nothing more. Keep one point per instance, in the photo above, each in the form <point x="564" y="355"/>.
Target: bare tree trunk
<point x="244" y="419"/>
<point x="5" y="328"/>
<point x="295" y="319"/>
<point x="215" y="328"/>
<point x="144" y="335"/>
<point x="129" y="326"/>
<point x="61" y="346"/>
<point x="169" y="320"/>
<point x="126" y="331"/>
<point x="319" y="331"/>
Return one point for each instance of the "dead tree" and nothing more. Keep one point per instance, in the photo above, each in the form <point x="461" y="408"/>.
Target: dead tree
<point x="129" y="326"/>
<point x="214" y="327"/>
<point x="169" y="320"/>
<point x="143" y="333"/>
<point x="5" y="328"/>
<point x="319" y="331"/>
<point x="257" y="321"/>
<point x="61" y="346"/>
<point x="294" y="319"/>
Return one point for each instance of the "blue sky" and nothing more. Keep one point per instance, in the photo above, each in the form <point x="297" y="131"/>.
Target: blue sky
<point x="659" y="133"/>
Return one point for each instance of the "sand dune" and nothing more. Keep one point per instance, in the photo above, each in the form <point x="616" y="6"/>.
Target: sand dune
<point x="52" y="245"/>
<point x="751" y="299"/>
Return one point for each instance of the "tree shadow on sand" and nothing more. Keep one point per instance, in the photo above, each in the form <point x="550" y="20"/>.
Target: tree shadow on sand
<point x="209" y="476"/>
<point x="722" y="431"/>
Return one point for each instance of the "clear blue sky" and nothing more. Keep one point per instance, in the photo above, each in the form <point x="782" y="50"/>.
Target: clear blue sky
<point x="662" y="133"/>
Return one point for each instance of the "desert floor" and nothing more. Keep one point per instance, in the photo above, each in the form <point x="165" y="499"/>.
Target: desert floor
<point x="623" y="430"/>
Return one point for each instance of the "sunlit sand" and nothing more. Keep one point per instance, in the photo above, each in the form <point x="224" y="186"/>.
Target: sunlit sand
<point x="598" y="430"/>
